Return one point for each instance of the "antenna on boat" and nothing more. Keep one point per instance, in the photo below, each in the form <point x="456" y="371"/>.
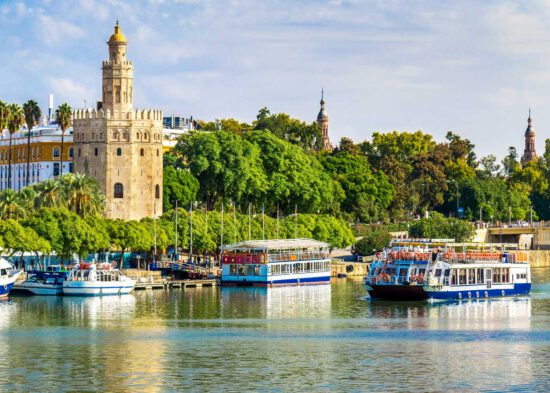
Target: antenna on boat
<point x="295" y="221"/>
<point x="277" y="222"/>
<point x="249" y="223"/>
<point x="176" y="240"/>
<point x="221" y="235"/>
<point x="191" y="232"/>
<point x="263" y="222"/>
<point x="234" y="223"/>
<point x="155" y="225"/>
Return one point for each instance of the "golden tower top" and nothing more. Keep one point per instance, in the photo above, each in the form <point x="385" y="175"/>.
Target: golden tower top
<point x="117" y="37"/>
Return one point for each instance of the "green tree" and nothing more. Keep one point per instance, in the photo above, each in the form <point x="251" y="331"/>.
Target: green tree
<point x="32" y="118"/>
<point x="179" y="185"/>
<point x="82" y="194"/>
<point x="374" y="240"/>
<point x="437" y="226"/>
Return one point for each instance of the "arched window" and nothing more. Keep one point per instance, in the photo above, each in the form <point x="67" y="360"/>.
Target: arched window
<point x="146" y="136"/>
<point x="157" y="191"/>
<point x="142" y="152"/>
<point x="119" y="151"/>
<point x="96" y="151"/>
<point x="55" y="152"/>
<point x="79" y="152"/>
<point x="158" y="152"/>
<point x="119" y="190"/>
<point x="137" y="135"/>
<point x="70" y="152"/>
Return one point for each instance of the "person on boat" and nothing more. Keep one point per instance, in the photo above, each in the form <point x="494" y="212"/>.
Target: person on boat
<point x="434" y="254"/>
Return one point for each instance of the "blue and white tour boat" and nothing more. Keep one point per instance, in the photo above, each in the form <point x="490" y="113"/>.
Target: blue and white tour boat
<point x="457" y="276"/>
<point x="276" y="262"/>
<point x="7" y="277"/>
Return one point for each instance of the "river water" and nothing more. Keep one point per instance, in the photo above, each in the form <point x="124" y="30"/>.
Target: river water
<point x="320" y="338"/>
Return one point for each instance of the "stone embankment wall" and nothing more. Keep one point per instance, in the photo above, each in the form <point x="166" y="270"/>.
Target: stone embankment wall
<point x="539" y="258"/>
<point x="140" y="274"/>
<point x="359" y="268"/>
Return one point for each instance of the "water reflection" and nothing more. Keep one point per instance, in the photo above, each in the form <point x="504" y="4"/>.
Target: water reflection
<point x="319" y="338"/>
<point x="310" y="301"/>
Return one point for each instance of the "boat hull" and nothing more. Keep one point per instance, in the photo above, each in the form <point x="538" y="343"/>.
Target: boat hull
<point x="319" y="280"/>
<point x="396" y="292"/>
<point x="6" y="285"/>
<point x="477" y="293"/>
<point x="37" y="289"/>
<point x="83" y="288"/>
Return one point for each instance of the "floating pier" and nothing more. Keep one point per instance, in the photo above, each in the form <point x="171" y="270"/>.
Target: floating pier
<point x="176" y="284"/>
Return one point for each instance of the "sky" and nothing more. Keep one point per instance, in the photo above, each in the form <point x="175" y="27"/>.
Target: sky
<point x="470" y="67"/>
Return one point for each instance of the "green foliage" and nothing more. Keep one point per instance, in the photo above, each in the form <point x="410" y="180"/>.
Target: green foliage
<point x="437" y="226"/>
<point x="179" y="185"/>
<point x="373" y="241"/>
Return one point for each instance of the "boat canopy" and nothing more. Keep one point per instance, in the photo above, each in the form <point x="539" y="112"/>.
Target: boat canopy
<point x="5" y="264"/>
<point x="279" y="244"/>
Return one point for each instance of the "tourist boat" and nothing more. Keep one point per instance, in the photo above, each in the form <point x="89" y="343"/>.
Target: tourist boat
<point x="399" y="274"/>
<point x="276" y="262"/>
<point x="457" y="276"/>
<point x="47" y="282"/>
<point x="93" y="279"/>
<point x="7" y="277"/>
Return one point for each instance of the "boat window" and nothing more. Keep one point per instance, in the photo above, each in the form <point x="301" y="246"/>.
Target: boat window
<point x="496" y="275"/>
<point x="437" y="273"/>
<point x="241" y="270"/>
<point x="471" y="276"/>
<point x="3" y="272"/>
<point x="462" y="276"/>
<point x="447" y="272"/>
<point x="257" y="270"/>
<point x="480" y="276"/>
<point x="505" y="275"/>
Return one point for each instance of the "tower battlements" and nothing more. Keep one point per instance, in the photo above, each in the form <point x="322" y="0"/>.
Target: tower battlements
<point x="137" y="114"/>
<point x="110" y="63"/>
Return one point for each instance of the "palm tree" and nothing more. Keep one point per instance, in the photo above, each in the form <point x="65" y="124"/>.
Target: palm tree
<point x="49" y="192"/>
<point x="64" y="115"/>
<point x="15" y="121"/>
<point x="3" y="117"/>
<point x="32" y="117"/>
<point x="82" y="194"/>
<point x="10" y="205"/>
<point x="28" y="198"/>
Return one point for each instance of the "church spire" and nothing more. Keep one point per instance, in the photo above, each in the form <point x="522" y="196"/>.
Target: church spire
<point x="322" y="120"/>
<point x="529" y="153"/>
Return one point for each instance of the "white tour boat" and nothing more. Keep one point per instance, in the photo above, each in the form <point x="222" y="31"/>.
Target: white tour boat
<point x="7" y="277"/>
<point x="47" y="282"/>
<point x="276" y="262"/>
<point x="91" y="279"/>
<point x="458" y="276"/>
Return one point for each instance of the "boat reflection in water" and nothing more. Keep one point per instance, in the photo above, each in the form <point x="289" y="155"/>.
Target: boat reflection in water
<point x="105" y="310"/>
<point x="311" y="301"/>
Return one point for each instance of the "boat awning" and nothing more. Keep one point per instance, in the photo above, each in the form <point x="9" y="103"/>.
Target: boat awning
<point x="5" y="264"/>
<point x="278" y="244"/>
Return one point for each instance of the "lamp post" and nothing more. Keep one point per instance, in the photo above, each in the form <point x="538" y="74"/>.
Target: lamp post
<point x="457" y="195"/>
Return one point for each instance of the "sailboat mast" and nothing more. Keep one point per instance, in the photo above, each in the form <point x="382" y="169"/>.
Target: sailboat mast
<point x="176" y="240"/>
<point x="191" y="232"/>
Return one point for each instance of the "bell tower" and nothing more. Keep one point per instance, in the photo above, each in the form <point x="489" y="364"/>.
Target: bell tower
<point x="529" y="153"/>
<point x="322" y="120"/>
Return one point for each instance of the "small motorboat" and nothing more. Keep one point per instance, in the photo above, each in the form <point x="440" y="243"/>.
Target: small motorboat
<point x="47" y="283"/>
<point x="96" y="279"/>
<point x="8" y="275"/>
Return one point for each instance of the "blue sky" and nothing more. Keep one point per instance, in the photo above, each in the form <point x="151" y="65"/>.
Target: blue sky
<point x="467" y="66"/>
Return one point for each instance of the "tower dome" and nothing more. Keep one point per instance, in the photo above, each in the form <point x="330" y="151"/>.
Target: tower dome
<point x="323" y="114"/>
<point x="117" y="36"/>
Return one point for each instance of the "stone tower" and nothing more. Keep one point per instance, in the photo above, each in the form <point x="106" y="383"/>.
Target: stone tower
<point x="529" y="154"/>
<point x="119" y="146"/>
<point x="322" y="120"/>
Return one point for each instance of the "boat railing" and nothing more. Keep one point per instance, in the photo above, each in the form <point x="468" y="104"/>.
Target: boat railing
<point x="297" y="256"/>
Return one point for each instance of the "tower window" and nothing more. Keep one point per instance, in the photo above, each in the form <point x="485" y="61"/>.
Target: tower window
<point x="55" y="152"/>
<point x="96" y="151"/>
<point x="157" y="191"/>
<point x="71" y="152"/>
<point x="119" y="190"/>
<point x="142" y="152"/>
<point x="79" y="152"/>
<point x="158" y="152"/>
<point x="119" y="151"/>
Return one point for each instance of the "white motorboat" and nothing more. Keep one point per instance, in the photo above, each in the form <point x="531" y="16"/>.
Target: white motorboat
<point x="7" y="277"/>
<point x="92" y="279"/>
<point x="49" y="283"/>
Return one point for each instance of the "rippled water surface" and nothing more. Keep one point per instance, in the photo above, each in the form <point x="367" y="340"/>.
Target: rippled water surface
<point x="321" y="338"/>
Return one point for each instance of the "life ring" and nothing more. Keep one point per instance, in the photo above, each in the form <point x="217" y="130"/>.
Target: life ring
<point x="460" y="295"/>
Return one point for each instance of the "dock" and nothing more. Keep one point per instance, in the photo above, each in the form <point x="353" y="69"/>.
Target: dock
<point x="183" y="284"/>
